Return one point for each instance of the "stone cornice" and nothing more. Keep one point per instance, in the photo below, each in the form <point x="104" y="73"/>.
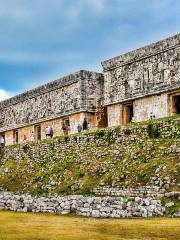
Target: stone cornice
<point x="142" y="53"/>
<point x="51" y="86"/>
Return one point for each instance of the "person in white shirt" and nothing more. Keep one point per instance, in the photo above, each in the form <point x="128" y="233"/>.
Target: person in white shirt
<point x="31" y="136"/>
<point x="2" y="141"/>
<point x="48" y="132"/>
<point x="89" y="126"/>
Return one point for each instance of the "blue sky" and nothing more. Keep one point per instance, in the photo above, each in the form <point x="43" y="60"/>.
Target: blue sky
<point x="42" y="40"/>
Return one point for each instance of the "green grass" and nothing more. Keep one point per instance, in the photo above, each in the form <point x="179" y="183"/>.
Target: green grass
<point x="29" y="226"/>
<point x="79" y="170"/>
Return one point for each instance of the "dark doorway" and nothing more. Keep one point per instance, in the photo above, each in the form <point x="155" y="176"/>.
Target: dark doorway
<point x="38" y="133"/>
<point x="177" y="103"/>
<point x="66" y="122"/>
<point x="2" y="140"/>
<point x="130" y="113"/>
<point x="16" y="137"/>
<point x="127" y="113"/>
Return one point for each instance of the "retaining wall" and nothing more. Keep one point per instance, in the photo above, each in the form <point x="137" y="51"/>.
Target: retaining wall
<point x="84" y="206"/>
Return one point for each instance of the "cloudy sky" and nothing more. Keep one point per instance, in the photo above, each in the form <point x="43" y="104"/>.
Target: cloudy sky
<point x="41" y="40"/>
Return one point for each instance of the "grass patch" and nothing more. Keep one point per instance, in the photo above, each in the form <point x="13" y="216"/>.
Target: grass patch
<point x="28" y="226"/>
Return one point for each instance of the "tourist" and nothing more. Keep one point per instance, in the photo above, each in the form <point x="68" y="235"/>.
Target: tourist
<point x="31" y="136"/>
<point x="48" y="132"/>
<point x="24" y="139"/>
<point x="68" y="129"/>
<point x="2" y="141"/>
<point x="151" y="115"/>
<point x="89" y="126"/>
<point x="51" y="132"/>
<point x="63" y="128"/>
<point x="85" y="124"/>
<point x="79" y="128"/>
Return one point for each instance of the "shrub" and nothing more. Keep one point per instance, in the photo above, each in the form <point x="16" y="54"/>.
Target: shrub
<point x="127" y="131"/>
<point x="117" y="129"/>
<point x="109" y="137"/>
<point x="63" y="138"/>
<point x="99" y="133"/>
<point x="108" y="180"/>
<point x="80" y="174"/>
<point x="25" y="148"/>
<point x="153" y="131"/>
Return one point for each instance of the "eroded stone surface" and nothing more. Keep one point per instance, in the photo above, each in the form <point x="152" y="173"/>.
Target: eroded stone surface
<point x="92" y="206"/>
<point x="77" y="92"/>
<point x="152" y="70"/>
<point x="143" y="71"/>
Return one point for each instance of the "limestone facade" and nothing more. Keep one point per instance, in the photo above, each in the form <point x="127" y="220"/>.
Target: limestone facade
<point x="69" y="100"/>
<point x="135" y="86"/>
<point x="143" y="83"/>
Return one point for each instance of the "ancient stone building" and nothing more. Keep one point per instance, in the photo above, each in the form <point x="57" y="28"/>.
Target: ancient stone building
<point x="135" y="86"/>
<point x="67" y="100"/>
<point x="143" y="83"/>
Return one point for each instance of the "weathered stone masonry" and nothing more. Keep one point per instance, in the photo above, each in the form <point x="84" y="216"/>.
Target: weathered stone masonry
<point x="75" y="96"/>
<point x="143" y="82"/>
<point x="85" y="206"/>
<point x="135" y="86"/>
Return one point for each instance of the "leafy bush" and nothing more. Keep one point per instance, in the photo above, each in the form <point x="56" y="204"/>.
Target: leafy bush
<point x="109" y="137"/>
<point x="79" y="174"/>
<point x="108" y="180"/>
<point x="117" y="129"/>
<point x="99" y="133"/>
<point x="127" y="131"/>
<point x="153" y="131"/>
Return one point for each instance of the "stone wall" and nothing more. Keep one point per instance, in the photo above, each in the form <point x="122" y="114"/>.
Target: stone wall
<point x="143" y="108"/>
<point x="48" y="158"/>
<point x="156" y="105"/>
<point x="77" y="92"/>
<point x="56" y="125"/>
<point x="145" y="71"/>
<point x="143" y="191"/>
<point x="115" y="207"/>
<point x="114" y="114"/>
<point x="167" y="128"/>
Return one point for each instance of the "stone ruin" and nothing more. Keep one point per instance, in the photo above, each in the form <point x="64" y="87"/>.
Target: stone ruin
<point x="135" y="86"/>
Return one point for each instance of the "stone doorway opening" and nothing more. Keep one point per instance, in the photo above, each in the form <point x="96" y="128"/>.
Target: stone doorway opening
<point x="66" y="126"/>
<point x="127" y="113"/>
<point x="174" y="103"/>
<point x="177" y="104"/>
<point x="15" y="136"/>
<point x="66" y="122"/>
<point x="2" y="139"/>
<point x="37" y="130"/>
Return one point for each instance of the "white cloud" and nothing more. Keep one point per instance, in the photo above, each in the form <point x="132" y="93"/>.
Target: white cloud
<point x="4" y="94"/>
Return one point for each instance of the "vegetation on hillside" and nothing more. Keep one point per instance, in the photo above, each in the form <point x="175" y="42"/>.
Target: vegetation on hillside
<point x="80" y="168"/>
